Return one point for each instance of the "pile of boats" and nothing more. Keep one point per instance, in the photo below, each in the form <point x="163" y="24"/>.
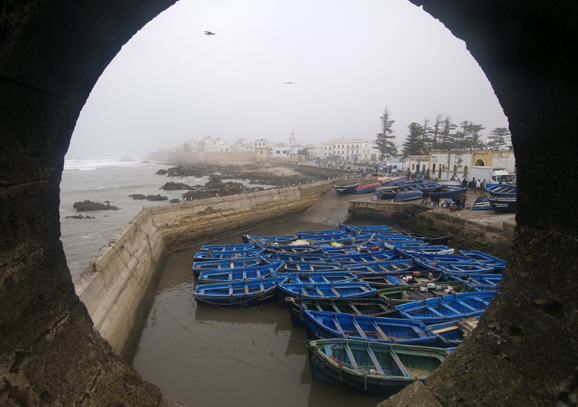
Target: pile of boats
<point x="381" y="308"/>
<point x="502" y="198"/>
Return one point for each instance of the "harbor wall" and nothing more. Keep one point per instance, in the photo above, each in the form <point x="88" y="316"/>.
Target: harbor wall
<point x="122" y="277"/>
<point x="119" y="279"/>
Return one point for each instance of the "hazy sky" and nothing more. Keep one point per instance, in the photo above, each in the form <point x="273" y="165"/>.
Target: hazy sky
<point x="348" y="59"/>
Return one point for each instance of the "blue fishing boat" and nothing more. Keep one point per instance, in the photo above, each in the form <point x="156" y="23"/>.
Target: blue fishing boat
<point x="465" y="267"/>
<point x="281" y="239"/>
<point x="500" y="189"/>
<point x="317" y="277"/>
<point x="432" y="257"/>
<point x="346" y="189"/>
<point x="226" y="264"/>
<point x="419" y="292"/>
<point x="240" y="274"/>
<point x="379" y="369"/>
<point x="479" y="282"/>
<point x="447" y="308"/>
<point x="415" y="181"/>
<point x="448" y="191"/>
<point x="324" y="290"/>
<point x="222" y="247"/>
<point x="291" y="249"/>
<point x="297" y="257"/>
<point x="322" y="265"/>
<point x="355" y="306"/>
<point x="405" y="278"/>
<point x="250" y="293"/>
<point x="482" y="204"/>
<point x="390" y="191"/>
<point x="324" y="325"/>
<point x="452" y="333"/>
<point x="226" y="254"/>
<point x="428" y="249"/>
<point x="386" y="266"/>
<point x="479" y="256"/>
<point x="410" y="195"/>
<point x="378" y="255"/>
<point x="430" y="186"/>
<point x="503" y="204"/>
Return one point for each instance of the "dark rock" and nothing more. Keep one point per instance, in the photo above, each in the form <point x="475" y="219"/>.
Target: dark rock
<point x="173" y="186"/>
<point x="138" y="196"/>
<point x="157" y="198"/>
<point x="88" y="205"/>
<point x="161" y="172"/>
<point x="175" y="200"/>
<point x="80" y="217"/>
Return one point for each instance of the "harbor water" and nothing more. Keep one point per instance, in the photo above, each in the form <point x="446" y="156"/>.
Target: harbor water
<point x="200" y="355"/>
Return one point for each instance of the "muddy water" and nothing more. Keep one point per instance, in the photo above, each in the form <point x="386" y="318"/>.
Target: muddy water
<point x="209" y="356"/>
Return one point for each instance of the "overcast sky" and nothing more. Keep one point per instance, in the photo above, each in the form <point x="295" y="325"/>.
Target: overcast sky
<point x="348" y="59"/>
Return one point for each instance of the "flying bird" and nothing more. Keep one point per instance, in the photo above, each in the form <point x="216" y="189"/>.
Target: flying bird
<point x="209" y="33"/>
<point x="288" y="83"/>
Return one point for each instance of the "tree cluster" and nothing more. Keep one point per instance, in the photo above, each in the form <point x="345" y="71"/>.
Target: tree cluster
<point x="441" y="134"/>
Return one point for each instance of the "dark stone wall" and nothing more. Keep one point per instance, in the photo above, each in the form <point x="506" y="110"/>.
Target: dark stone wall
<point x="53" y="51"/>
<point x="525" y="351"/>
<point x="51" y="55"/>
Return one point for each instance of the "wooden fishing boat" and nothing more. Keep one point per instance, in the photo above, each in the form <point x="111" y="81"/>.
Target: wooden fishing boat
<point x="324" y="325"/>
<point x="453" y="333"/>
<point x="416" y="181"/>
<point x="389" y="192"/>
<point x="386" y="266"/>
<point x="329" y="277"/>
<point x="346" y="189"/>
<point x="250" y="293"/>
<point x="479" y="256"/>
<point x="432" y="257"/>
<point x="429" y="249"/>
<point x="378" y="255"/>
<point x="447" y="192"/>
<point x="406" y="278"/>
<point x="428" y="238"/>
<point x="430" y="186"/>
<point x="226" y="264"/>
<point x="370" y="186"/>
<point x="226" y="254"/>
<point x="281" y="239"/>
<point x="355" y="306"/>
<point x="466" y="267"/>
<point x="365" y="239"/>
<point x="291" y="249"/>
<point x="482" y="204"/>
<point x="447" y="308"/>
<point x="222" y="247"/>
<point x="478" y="282"/>
<point x="298" y="257"/>
<point x="312" y="266"/>
<point x="410" y="195"/>
<point x="500" y="189"/>
<point x="379" y="369"/>
<point x="324" y="290"/>
<point x="503" y="204"/>
<point x="406" y="242"/>
<point x="328" y="235"/>
<point x="419" y="292"/>
<point x="240" y="274"/>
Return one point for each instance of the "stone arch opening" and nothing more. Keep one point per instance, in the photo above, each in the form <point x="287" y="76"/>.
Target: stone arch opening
<point x="52" y="54"/>
<point x="465" y="174"/>
<point x="479" y="163"/>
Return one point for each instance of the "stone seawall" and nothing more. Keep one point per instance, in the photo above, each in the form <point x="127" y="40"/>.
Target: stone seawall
<point x="119" y="279"/>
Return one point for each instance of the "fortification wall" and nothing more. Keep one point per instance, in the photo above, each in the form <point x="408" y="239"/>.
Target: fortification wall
<point x="116" y="285"/>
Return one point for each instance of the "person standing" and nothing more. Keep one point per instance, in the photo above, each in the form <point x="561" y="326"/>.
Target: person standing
<point x="465" y="183"/>
<point x="424" y="197"/>
<point x="474" y="185"/>
<point x="482" y="185"/>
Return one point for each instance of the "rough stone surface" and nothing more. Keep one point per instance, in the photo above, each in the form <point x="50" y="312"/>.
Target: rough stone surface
<point x="52" y="52"/>
<point x="416" y="394"/>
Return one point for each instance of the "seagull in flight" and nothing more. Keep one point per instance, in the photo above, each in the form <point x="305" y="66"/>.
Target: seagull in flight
<point x="288" y="83"/>
<point x="209" y="33"/>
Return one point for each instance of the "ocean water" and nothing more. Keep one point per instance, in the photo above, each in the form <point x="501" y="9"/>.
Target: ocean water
<point x="110" y="181"/>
